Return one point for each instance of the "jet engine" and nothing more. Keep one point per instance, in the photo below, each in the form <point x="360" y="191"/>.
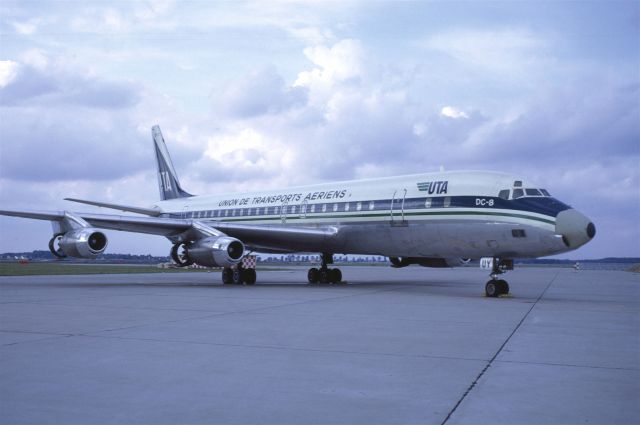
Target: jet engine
<point x="399" y="262"/>
<point x="214" y="251"/>
<point x="81" y="243"/>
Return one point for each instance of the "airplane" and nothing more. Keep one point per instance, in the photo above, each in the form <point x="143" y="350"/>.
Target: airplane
<point x="441" y="219"/>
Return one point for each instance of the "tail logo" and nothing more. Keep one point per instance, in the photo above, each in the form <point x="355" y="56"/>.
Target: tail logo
<point x="166" y="181"/>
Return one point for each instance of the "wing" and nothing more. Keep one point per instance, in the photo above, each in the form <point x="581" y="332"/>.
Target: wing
<point x="257" y="237"/>
<point x="153" y="212"/>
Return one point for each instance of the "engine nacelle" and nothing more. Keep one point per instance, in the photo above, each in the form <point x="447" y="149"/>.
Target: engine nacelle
<point x="81" y="243"/>
<point x="221" y="251"/>
<point x="399" y="262"/>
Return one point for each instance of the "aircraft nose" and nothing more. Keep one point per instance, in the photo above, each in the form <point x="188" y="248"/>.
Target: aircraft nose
<point x="576" y="228"/>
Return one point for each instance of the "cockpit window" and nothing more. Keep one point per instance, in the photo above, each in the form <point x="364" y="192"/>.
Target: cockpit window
<point x="532" y="192"/>
<point x="518" y="193"/>
<point x="504" y="194"/>
<point x="517" y="183"/>
<point x="545" y="192"/>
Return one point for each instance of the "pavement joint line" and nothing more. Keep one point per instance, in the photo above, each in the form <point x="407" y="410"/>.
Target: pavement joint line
<point x="632" y="369"/>
<point x="228" y="313"/>
<point x="127" y="307"/>
<point x="34" y="332"/>
<point x="44" y="338"/>
<point x="224" y="313"/>
<point x="282" y="348"/>
<point x="488" y="365"/>
<point x="36" y="340"/>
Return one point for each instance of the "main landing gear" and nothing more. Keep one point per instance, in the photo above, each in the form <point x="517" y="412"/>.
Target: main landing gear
<point x="238" y="275"/>
<point x="325" y="274"/>
<point x="496" y="287"/>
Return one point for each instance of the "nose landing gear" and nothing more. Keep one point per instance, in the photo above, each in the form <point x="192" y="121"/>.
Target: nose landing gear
<point x="496" y="287"/>
<point x="324" y="274"/>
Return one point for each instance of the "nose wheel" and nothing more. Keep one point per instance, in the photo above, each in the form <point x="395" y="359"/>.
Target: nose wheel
<point x="496" y="287"/>
<point x="325" y="274"/>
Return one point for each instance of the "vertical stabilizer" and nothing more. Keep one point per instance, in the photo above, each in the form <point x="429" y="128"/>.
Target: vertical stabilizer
<point x="167" y="177"/>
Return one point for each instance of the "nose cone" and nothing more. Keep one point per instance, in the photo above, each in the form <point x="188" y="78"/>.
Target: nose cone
<point x="576" y="229"/>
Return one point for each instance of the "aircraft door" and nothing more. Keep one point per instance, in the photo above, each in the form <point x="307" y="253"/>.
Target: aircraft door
<point x="303" y="209"/>
<point x="396" y="209"/>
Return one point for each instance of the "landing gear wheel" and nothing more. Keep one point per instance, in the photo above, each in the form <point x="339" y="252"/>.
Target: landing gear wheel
<point x="335" y="275"/>
<point x="492" y="288"/>
<point x="227" y="276"/>
<point x="236" y="276"/>
<point x="503" y="286"/>
<point x="313" y="275"/>
<point x="249" y="276"/>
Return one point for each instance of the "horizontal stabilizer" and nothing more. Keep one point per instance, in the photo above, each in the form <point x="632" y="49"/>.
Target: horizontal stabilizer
<point x="153" y="212"/>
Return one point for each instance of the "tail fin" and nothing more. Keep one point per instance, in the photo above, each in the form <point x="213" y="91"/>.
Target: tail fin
<point x="167" y="177"/>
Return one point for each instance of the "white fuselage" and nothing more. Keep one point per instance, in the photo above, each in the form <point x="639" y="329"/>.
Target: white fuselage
<point x="447" y="214"/>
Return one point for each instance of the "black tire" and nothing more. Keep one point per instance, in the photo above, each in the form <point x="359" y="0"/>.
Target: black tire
<point x="313" y="275"/>
<point x="492" y="288"/>
<point x="335" y="275"/>
<point x="236" y="276"/>
<point x="227" y="276"/>
<point x="503" y="286"/>
<point x="249" y="276"/>
<point x="324" y="276"/>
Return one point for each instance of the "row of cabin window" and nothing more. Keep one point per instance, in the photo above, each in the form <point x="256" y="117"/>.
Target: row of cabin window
<point x="310" y="209"/>
<point x="276" y="210"/>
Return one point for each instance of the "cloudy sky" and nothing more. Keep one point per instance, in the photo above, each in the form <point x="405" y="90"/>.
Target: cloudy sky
<point x="261" y="94"/>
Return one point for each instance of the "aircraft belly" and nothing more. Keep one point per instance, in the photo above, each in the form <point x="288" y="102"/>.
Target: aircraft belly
<point x="384" y="239"/>
<point x="445" y="239"/>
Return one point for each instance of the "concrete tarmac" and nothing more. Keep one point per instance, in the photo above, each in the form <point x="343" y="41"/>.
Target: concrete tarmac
<point x="393" y="346"/>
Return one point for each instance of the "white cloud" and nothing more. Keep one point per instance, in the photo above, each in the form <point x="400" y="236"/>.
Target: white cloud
<point x="35" y="58"/>
<point x="451" y="112"/>
<point x="261" y="92"/>
<point x="340" y="63"/>
<point x="27" y="27"/>
<point x="312" y="35"/>
<point x="8" y="72"/>
<point x="504" y="51"/>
